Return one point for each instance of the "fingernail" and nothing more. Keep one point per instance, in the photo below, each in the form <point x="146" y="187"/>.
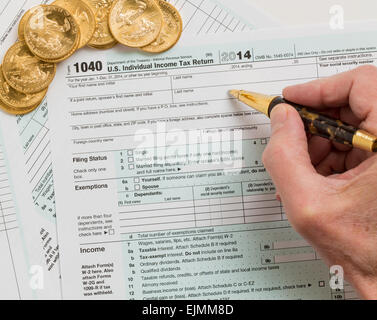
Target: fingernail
<point x="278" y="117"/>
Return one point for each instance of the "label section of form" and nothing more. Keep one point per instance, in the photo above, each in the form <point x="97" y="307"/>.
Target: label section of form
<point x="24" y="270"/>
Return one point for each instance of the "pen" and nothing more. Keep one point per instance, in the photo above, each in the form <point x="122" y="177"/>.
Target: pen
<point x="315" y="123"/>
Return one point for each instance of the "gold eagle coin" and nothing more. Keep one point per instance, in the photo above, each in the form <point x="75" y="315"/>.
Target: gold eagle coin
<point x="51" y="33"/>
<point x="102" y="35"/>
<point x="25" y="72"/>
<point x="83" y="15"/>
<point x="75" y="48"/>
<point x="135" y="23"/>
<point x="21" y="25"/>
<point x="171" y="29"/>
<point x="105" y="47"/>
<point x="16" y="99"/>
<point x="18" y="111"/>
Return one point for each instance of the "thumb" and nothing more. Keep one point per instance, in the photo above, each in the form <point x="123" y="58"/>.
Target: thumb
<point x="286" y="157"/>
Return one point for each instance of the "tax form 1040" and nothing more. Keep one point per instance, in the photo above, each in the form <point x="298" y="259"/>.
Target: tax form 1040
<point x="161" y="191"/>
<point x="200" y="17"/>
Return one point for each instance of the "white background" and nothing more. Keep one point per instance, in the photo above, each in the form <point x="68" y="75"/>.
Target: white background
<point x="294" y="12"/>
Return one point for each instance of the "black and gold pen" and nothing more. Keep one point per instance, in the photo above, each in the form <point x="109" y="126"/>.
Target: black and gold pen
<point x="315" y="123"/>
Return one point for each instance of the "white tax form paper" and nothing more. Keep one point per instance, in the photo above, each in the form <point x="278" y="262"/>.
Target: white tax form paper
<point x="160" y="188"/>
<point x="33" y="132"/>
<point x="23" y="270"/>
<point x="28" y="254"/>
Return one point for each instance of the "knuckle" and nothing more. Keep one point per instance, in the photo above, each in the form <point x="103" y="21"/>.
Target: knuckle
<point x="309" y="212"/>
<point x="310" y="216"/>
<point x="318" y="213"/>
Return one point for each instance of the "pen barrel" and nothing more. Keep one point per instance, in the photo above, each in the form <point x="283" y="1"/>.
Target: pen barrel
<point x="321" y="125"/>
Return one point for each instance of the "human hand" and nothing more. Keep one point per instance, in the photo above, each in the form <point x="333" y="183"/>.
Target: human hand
<point x="329" y="190"/>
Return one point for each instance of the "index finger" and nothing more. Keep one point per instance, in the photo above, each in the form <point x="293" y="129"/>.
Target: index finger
<point x="356" y="88"/>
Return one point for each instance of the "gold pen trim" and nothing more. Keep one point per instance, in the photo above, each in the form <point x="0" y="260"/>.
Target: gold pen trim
<point x="257" y="101"/>
<point x="365" y="141"/>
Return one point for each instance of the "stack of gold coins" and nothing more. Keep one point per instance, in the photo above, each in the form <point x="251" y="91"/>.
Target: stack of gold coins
<point x="48" y="34"/>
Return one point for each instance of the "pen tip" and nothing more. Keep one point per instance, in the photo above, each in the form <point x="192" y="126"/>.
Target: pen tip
<point x="234" y="93"/>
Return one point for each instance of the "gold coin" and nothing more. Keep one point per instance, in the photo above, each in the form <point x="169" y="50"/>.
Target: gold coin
<point x="21" y="25"/>
<point x="16" y="99"/>
<point x="25" y="72"/>
<point x="171" y="29"/>
<point x="102" y="35"/>
<point x="83" y="15"/>
<point x="69" y="54"/>
<point x="66" y="56"/>
<point x="51" y="32"/>
<point x="135" y="23"/>
<point x="17" y="111"/>
<point x="108" y="46"/>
